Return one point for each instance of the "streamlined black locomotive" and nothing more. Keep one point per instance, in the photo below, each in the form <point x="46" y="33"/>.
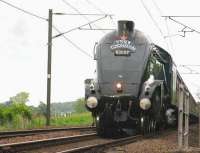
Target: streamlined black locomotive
<point x="136" y="84"/>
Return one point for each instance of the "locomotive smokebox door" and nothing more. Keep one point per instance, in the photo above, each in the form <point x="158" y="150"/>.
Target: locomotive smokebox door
<point x="125" y="28"/>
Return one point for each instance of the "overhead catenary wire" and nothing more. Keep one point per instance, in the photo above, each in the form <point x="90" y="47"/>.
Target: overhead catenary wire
<point x="75" y="9"/>
<point x="94" y="29"/>
<point x="190" y="73"/>
<point x="188" y="65"/>
<point x="149" y="13"/>
<point x="79" y="27"/>
<point x="183" y="16"/>
<point x="89" y="23"/>
<point x="157" y="7"/>
<point x="188" y="68"/>
<point x="166" y="24"/>
<point x="97" y="8"/>
<point x="23" y="10"/>
<point x="168" y="33"/>
<point x="155" y="23"/>
<point x="72" y="43"/>
<point x="44" y="19"/>
<point x="85" y="17"/>
<point x="100" y="10"/>
<point x="182" y="24"/>
<point x="84" y="14"/>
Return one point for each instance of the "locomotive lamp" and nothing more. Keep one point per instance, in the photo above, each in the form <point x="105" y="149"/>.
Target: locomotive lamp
<point x="145" y="103"/>
<point x="92" y="102"/>
<point x="119" y="87"/>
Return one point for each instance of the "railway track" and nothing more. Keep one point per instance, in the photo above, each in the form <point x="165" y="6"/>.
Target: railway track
<point x="30" y="145"/>
<point x="73" y="144"/>
<point x="106" y="145"/>
<point x="10" y="134"/>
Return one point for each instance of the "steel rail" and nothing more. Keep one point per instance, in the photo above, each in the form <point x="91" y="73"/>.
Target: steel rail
<point x="22" y="146"/>
<point x="9" y="134"/>
<point x="119" y="142"/>
<point x="106" y="145"/>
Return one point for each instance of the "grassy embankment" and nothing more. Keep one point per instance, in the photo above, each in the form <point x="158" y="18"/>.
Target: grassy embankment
<point x="81" y="119"/>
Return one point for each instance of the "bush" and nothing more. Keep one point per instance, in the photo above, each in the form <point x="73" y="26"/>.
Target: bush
<point x="79" y="106"/>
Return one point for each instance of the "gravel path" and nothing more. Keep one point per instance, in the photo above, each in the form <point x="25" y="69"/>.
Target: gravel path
<point x="166" y="143"/>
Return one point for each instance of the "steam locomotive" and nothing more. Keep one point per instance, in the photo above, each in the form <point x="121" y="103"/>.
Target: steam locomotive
<point x="136" y="86"/>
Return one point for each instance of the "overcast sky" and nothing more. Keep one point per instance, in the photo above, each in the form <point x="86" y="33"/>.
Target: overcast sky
<point x="23" y="42"/>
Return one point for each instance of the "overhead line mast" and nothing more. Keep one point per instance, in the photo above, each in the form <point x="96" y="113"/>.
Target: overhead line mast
<point x="49" y="67"/>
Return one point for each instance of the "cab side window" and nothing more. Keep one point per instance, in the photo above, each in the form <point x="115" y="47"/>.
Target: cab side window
<point x="156" y="68"/>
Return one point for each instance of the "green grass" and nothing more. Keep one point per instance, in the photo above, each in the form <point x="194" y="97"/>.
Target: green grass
<point x="81" y="119"/>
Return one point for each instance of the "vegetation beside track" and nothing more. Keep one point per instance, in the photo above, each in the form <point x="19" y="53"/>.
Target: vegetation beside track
<point x="75" y="119"/>
<point x="15" y="114"/>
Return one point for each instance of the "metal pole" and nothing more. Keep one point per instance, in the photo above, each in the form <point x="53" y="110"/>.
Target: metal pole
<point x="186" y="108"/>
<point x="48" y="115"/>
<point x="180" y="118"/>
<point x="199" y="122"/>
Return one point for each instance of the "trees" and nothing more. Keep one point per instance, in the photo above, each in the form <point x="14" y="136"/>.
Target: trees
<point x="15" y="110"/>
<point x="79" y="105"/>
<point x="42" y="109"/>
<point x="18" y="105"/>
<point x="21" y="109"/>
<point x="16" y="114"/>
<point x="21" y="97"/>
<point x="1" y="114"/>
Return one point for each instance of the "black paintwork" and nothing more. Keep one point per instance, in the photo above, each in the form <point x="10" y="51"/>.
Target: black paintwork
<point x="129" y="57"/>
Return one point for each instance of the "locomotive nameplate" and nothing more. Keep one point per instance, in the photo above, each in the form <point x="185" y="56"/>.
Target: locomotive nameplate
<point x="122" y="47"/>
<point x="122" y="52"/>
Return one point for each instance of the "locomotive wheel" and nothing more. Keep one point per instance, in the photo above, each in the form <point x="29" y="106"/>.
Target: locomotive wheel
<point x="153" y="125"/>
<point x="148" y="125"/>
<point x="145" y="126"/>
<point x="105" y="125"/>
<point x="156" y="105"/>
<point x="99" y="127"/>
<point x="157" y="110"/>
